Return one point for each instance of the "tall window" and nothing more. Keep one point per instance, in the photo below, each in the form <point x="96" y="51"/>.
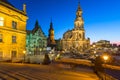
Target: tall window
<point x="1" y="21"/>
<point x="1" y="54"/>
<point x="14" y="54"/>
<point x="14" y="25"/>
<point x="1" y="38"/>
<point x="13" y="39"/>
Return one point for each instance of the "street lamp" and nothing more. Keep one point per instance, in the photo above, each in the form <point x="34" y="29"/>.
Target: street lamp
<point x="94" y="54"/>
<point x="105" y="58"/>
<point x="24" y="52"/>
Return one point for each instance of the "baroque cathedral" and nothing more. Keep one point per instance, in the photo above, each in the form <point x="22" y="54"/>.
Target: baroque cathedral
<point x="74" y="40"/>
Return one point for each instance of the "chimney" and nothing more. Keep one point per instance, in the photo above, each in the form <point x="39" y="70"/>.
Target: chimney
<point x="24" y="8"/>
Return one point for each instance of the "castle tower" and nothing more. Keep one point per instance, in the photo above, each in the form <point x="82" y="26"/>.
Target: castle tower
<point x="51" y="41"/>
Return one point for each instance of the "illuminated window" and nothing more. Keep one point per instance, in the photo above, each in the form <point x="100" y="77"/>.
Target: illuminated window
<point x="1" y="38"/>
<point x="13" y="39"/>
<point x="14" y="25"/>
<point x="14" y="54"/>
<point x="1" y="21"/>
<point x="1" y="54"/>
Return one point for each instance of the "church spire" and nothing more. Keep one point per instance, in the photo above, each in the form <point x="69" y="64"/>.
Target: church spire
<point x="78" y="23"/>
<point x="36" y="24"/>
<point x="51" y="41"/>
<point x="79" y="9"/>
<point x="51" y="25"/>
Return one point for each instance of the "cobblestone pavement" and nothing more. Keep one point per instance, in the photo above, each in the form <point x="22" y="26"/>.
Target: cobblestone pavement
<point x="20" y="71"/>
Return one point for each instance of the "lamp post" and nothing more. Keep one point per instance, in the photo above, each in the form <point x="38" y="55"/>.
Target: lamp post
<point x="24" y="52"/>
<point x="105" y="58"/>
<point x="94" y="52"/>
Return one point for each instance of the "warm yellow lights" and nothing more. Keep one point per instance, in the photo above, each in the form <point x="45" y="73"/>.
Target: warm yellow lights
<point x="1" y="21"/>
<point x="58" y="56"/>
<point x="94" y="46"/>
<point x="1" y="18"/>
<point x="24" y="52"/>
<point x="105" y="57"/>
<point x="12" y="32"/>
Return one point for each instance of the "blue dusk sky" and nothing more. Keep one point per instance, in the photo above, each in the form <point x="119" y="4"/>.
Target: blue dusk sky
<point x="101" y="17"/>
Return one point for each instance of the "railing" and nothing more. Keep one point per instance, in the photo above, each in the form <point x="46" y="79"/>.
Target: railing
<point x="104" y="76"/>
<point x="75" y="61"/>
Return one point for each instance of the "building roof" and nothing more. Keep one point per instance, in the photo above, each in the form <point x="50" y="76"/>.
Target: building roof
<point x="7" y="4"/>
<point x="28" y="31"/>
<point x="51" y="26"/>
<point x="37" y="29"/>
<point x="37" y="26"/>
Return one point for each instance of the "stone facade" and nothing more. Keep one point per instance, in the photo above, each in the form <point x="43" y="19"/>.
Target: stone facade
<point x="12" y="30"/>
<point x="74" y="40"/>
<point x="36" y="40"/>
<point x="58" y="45"/>
<point x="103" y="43"/>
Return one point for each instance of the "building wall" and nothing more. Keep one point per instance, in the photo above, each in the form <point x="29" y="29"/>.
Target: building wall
<point x="36" y="42"/>
<point x="75" y="46"/>
<point x="6" y="46"/>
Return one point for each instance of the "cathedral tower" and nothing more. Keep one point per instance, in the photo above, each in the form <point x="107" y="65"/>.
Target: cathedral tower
<point x="78" y="23"/>
<point x="51" y="41"/>
<point x="74" y="40"/>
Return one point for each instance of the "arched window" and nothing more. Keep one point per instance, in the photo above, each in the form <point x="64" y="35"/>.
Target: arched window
<point x="83" y="35"/>
<point x="80" y="36"/>
<point x="1" y="21"/>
